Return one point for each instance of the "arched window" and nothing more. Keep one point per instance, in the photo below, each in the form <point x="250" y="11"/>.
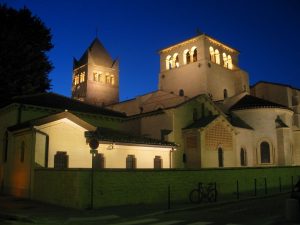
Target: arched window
<point x="168" y="62"/>
<point x="176" y="60"/>
<point x="265" y="152"/>
<point x="220" y="157"/>
<point x="194" y="54"/>
<point x="243" y="157"/>
<point x="217" y="56"/>
<point x="181" y="92"/>
<point x="229" y="62"/>
<point x="225" y="93"/>
<point x="82" y="77"/>
<point x="186" y="57"/>
<point x="212" y="54"/>
<point x="157" y="162"/>
<point x="225" y="60"/>
<point x="112" y="79"/>
<point x="130" y="162"/>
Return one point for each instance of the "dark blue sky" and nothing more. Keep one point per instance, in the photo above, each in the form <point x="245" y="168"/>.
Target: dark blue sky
<point x="266" y="32"/>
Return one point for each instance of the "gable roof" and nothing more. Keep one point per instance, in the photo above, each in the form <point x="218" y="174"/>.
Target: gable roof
<point x="202" y="122"/>
<point x="238" y="122"/>
<point x="251" y="102"/>
<point x="110" y="135"/>
<point x="274" y="83"/>
<point x="56" y="101"/>
<point x="97" y="53"/>
<point x="51" y="118"/>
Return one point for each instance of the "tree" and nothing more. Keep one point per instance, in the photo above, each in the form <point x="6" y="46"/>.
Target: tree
<point x="24" y="42"/>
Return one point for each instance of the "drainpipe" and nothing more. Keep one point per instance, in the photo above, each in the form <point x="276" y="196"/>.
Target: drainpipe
<point x="19" y="116"/>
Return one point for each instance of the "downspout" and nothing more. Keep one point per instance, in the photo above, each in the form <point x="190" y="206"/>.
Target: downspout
<point x="32" y="165"/>
<point x="19" y="116"/>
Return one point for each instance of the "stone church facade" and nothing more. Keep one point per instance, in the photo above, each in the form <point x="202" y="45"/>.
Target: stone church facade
<point x="204" y="114"/>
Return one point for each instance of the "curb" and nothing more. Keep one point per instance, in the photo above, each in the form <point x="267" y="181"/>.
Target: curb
<point x="211" y="205"/>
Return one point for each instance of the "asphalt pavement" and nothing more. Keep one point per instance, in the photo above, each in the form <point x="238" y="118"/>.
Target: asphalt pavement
<point x="269" y="210"/>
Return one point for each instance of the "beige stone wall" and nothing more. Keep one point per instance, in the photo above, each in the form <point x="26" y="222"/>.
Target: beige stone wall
<point x="203" y="75"/>
<point x="65" y="135"/>
<point x="244" y="139"/>
<point x="296" y="147"/>
<point x="281" y="94"/>
<point x="192" y="149"/>
<point x="218" y="134"/>
<point x="262" y="120"/>
<point x="98" y="92"/>
<point x="18" y="171"/>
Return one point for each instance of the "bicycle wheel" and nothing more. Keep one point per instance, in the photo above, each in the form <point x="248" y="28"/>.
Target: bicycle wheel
<point x="212" y="195"/>
<point x="194" y="196"/>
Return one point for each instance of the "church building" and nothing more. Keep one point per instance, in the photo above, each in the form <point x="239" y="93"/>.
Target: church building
<point x="204" y="114"/>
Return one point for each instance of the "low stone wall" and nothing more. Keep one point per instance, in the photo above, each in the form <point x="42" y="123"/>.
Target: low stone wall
<point x="72" y="188"/>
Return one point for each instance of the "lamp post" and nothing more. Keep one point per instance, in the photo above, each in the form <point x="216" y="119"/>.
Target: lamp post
<point x="94" y="144"/>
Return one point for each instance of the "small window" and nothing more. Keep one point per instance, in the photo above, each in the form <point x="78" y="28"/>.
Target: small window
<point x="225" y="61"/>
<point x="217" y="56"/>
<point x="61" y="160"/>
<point x="168" y="62"/>
<point x="112" y="79"/>
<point x="188" y="57"/>
<point x="22" y="152"/>
<point x="99" y="162"/>
<point x="131" y="162"/>
<point x="157" y="162"/>
<point x="225" y="93"/>
<point x="212" y="54"/>
<point x="82" y="77"/>
<point x="243" y="157"/>
<point x="194" y="50"/>
<point x="220" y="157"/>
<point x="229" y="62"/>
<point x="265" y="152"/>
<point x="176" y="60"/>
<point x="76" y="79"/>
<point x="181" y="92"/>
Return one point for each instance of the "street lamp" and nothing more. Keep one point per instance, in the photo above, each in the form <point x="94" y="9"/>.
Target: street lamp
<point x="94" y="144"/>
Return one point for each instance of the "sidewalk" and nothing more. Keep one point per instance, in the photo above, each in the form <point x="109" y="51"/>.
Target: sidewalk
<point x="27" y="211"/>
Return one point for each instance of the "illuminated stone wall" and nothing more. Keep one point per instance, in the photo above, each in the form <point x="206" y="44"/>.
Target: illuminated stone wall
<point x="262" y="120"/>
<point x="203" y="75"/>
<point x="71" y="188"/>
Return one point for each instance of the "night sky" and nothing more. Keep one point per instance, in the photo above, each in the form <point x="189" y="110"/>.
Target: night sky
<point x="267" y="34"/>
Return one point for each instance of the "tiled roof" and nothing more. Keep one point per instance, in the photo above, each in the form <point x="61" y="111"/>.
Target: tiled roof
<point x="274" y="83"/>
<point x="203" y="122"/>
<point x="56" y="101"/>
<point x="110" y="135"/>
<point x="250" y="102"/>
<point x="238" y="122"/>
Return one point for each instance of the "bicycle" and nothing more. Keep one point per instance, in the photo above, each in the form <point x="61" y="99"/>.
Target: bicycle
<point x="208" y="192"/>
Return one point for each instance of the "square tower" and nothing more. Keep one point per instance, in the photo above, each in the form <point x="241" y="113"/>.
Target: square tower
<point x="96" y="76"/>
<point x="201" y="65"/>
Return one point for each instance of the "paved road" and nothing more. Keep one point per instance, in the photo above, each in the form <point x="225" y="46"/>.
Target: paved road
<point x="266" y="211"/>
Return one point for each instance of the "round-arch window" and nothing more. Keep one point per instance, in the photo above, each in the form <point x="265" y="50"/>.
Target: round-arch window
<point x="220" y="157"/>
<point x="265" y="152"/>
<point x="243" y="157"/>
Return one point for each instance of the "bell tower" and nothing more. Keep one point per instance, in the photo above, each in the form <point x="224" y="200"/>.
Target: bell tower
<point x="96" y="76"/>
